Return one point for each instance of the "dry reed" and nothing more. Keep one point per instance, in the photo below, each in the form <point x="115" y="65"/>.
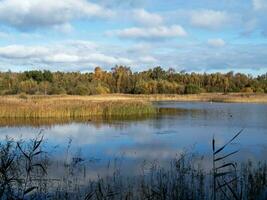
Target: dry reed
<point x="56" y="107"/>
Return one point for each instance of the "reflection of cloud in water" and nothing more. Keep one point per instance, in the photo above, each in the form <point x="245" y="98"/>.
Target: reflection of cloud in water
<point x="154" y="151"/>
<point x="169" y="132"/>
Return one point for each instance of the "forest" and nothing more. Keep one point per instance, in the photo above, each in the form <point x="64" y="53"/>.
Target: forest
<point x="121" y="79"/>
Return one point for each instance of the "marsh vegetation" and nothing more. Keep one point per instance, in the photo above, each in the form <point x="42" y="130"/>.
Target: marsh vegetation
<point x="26" y="172"/>
<point x="56" y="107"/>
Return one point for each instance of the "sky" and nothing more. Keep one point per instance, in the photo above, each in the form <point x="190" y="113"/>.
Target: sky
<point x="78" y="35"/>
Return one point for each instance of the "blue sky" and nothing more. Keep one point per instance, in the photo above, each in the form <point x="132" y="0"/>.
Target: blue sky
<point x="78" y="35"/>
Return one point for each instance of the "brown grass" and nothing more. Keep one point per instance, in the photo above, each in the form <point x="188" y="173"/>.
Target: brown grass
<point x="69" y="106"/>
<point x="204" y="97"/>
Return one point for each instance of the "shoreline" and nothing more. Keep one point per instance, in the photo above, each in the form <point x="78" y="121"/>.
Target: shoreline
<point x="203" y="97"/>
<point x="123" y="105"/>
<point x="214" y="97"/>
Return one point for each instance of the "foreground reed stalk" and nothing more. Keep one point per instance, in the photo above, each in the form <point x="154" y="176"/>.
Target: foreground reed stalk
<point x="221" y="173"/>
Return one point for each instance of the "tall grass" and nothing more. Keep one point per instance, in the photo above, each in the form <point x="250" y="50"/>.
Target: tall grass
<point x="70" y="108"/>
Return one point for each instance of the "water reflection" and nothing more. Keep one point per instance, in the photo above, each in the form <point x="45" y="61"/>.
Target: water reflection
<point x="179" y="127"/>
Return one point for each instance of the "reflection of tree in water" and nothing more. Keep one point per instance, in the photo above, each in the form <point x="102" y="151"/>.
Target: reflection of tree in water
<point x="50" y="122"/>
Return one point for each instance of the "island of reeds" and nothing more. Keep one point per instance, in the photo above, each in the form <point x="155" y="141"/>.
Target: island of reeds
<point x="35" y="107"/>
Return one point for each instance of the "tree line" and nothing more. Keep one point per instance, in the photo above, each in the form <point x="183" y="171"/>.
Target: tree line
<point x="121" y="79"/>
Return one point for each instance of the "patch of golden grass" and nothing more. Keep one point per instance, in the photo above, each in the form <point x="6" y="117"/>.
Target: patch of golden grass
<point x="70" y="106"/>
<point x="209" y="97"/>
<point x="216" y="97"/>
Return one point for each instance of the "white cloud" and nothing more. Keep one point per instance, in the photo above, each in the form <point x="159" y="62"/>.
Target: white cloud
<point x="148" y="59"/>
<point x="61" y="58"/>
<point x="22" y="52"/>
<point x="143" y="17"/>
<point x="159" y="32"/>
<point x="65" y="58"/>
<point x="216" y="42"/>
<point x="29" y="14"/>
<point x="66" y="54"/>
<point x="259" y="4"/>
<point x="84" y="56"/>
<point x="64" y="28"/>
<point x="209" y="18"/>
<point x="231" y="57"/>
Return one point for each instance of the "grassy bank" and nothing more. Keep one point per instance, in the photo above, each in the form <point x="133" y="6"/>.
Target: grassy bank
<point x="22" y="106"/>
<point x="70" y="107"/>
<point x="203" y="97"/>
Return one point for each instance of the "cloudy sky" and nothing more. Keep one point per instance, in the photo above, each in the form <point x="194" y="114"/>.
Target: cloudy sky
<point x="77" y="35"/>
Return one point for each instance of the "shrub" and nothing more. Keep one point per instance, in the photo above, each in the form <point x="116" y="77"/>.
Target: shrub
<point x="81" y="90"/>
<point x="247" y="90"/>
<point x="192" y="89"/>
<point x="259" y="90"/>
<point x="101" y="90"/>
<point x="57" y="90"/>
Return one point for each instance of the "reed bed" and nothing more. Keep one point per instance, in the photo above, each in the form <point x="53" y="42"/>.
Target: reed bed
<point x="56" y="107"/>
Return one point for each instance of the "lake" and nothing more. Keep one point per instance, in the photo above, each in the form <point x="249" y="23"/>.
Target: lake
<point x="138" y="143"/>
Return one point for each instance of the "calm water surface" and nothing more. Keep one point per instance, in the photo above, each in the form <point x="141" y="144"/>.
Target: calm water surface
<point x="158" y="139"/>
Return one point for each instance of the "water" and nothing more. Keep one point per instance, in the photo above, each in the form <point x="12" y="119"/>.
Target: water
<point x="136" y="144"/>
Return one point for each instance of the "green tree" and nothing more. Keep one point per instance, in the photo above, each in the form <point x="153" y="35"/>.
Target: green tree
<point x="122" y="76"/>
<point x="47" y="76"/>
<point x="158" y="73"/>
